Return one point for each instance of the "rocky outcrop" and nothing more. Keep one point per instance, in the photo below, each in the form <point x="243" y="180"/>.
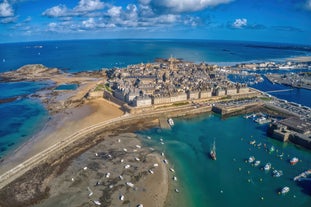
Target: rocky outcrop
<point x="30" y="72"/>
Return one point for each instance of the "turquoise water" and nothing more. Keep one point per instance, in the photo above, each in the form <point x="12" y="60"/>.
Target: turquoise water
<point x="229" y="181"/>
<point x="67" y="87"/>
<point x="20" y="118"/>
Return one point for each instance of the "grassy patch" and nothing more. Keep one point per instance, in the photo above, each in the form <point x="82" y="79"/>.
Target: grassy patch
<point x="180" y="104"/>
<point x="265" y="98"/>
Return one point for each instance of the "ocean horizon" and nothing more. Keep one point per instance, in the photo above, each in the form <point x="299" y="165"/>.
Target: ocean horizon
<point x="95" y="54"/>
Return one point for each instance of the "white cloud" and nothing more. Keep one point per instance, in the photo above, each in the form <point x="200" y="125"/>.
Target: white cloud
<point x="239" y="23"/>
<point x="184" y="5"/>
<point x="83" y="7"/>
<point x="114" y="11"/>
<point x="89" y="5"/>
<point x="308" y="5"/>
<point x="6" y="9"/>
<point x="56" y="11"/>
<point x="90" y="23"/>
<point x="131" y="11"/>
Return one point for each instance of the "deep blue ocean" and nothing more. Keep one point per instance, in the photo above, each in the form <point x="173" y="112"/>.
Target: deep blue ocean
<point x="201" y="180"/>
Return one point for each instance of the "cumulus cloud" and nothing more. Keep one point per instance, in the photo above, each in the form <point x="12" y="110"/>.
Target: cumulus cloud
<point x="114" y="11"/>
<point x="239" y="23"/>
<point x="56" y="11"/>
<point x="89" y="5"/>
<point x="96" y="15"/>
<point x="6" y="9"/>
<point x="83" y="7"/>
<point x="184" y="5"/>
<point x="90" y="23"/>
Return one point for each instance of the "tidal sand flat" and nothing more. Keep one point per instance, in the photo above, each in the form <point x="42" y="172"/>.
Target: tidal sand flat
<point x="116" y="172"/>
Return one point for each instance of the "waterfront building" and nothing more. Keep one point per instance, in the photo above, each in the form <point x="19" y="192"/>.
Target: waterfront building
<point x="169" y="81"/>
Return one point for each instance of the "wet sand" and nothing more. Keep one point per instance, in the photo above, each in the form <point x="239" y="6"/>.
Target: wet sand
<point x="95" y="176"/>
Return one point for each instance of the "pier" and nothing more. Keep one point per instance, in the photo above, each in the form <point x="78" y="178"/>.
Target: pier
<point x="276" y="91"/>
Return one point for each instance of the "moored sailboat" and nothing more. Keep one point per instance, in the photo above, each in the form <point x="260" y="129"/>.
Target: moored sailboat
<point x="213" y="152"/>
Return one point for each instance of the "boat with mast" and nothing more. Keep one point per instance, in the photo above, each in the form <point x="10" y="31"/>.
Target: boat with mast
<point x="213" y="152"/>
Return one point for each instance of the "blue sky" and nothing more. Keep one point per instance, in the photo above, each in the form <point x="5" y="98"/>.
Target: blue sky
<point x="287" y="21"/>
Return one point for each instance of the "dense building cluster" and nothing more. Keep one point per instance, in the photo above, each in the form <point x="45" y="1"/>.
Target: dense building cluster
<point x="169" y="81"/>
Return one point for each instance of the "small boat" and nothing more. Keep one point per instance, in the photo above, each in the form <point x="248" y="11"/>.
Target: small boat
<point x="90" y="191"/>
<point x="303" y="175"/>
<point x="122" y="197"/>
<point x="285" y="190"/>
<point x="267" y="166"/>
<point x="277" y="173"/>
<point x="213" y="152"/>
<point x="170" y="122"/>
<point x="130" y="184"/>
<point x="175" y="178"/>
<point x="294" y="161"/>
<point x="97" y="203"/>
<point x="140" y="205"/>
<point x="251" y="159"/>
<point x="252" y="142"/>
<point x="271" y="149"/>
<point x="257" y="163"/>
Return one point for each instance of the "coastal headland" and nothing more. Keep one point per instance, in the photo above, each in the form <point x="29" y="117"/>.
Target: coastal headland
<point x="82" y="122"/>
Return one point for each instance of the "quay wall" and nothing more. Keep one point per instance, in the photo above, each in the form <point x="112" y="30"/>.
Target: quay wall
<point x="110" y="97"/>
<point x="300" y="140"/>
<point x="236" y="109"/>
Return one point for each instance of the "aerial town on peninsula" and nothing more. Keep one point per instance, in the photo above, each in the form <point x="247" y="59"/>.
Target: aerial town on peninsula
<point x="156" y="93"/>
<point x="176" y="82"/>
<point x="171" y="81"/>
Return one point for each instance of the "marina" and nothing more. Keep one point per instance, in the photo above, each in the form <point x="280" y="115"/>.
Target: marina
<point x="250" y="152"/>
